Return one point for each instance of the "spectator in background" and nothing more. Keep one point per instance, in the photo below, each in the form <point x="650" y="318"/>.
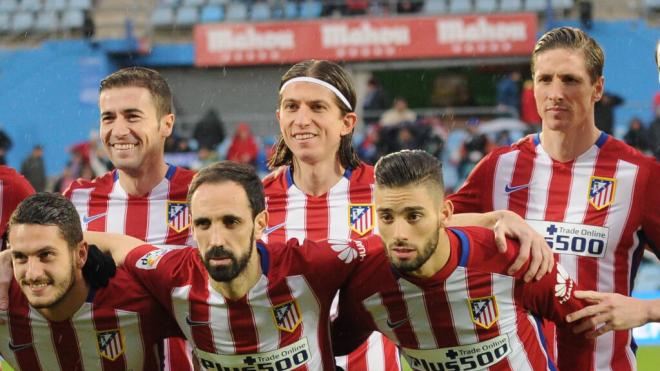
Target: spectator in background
<point x="356" y="7"/>
<point x="205" y="157"/>
<point x="209" y="131"/>
<point x="604" y="111"/>
<point x="5" y="146"/>
<point x="529" y="114"/>
<point x="243" y="147"/>
<point x="475" y="147"/>
<point x="34" y="170"/>
<point x="508" y="93"/>
<point x="374" y="100"/>
<point x="636" y="135"/>
<point x="398" y="114"/>
<point x="654" y="134"/>
<point x="408" y="6"/>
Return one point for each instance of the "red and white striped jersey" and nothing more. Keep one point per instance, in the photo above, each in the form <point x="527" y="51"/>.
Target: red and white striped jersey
<point x="470" y="315"/>
<point x="119" y="327"/>
<point x="160" y="218"/>
<point x="13" y="189"/>
<point x="346" y="211"/>
<point x="281" y="324"/>
<point x="595" y="212"/>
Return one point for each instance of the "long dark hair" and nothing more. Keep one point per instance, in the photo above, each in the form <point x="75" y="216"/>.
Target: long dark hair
<point x="336" y="76"/>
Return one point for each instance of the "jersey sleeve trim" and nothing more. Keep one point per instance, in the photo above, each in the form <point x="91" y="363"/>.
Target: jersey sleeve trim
<point x="465" y="246"/>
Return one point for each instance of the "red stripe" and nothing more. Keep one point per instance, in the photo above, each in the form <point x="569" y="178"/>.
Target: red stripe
<point x="98" y="204"/>
<point x="105" y="319"/>
<point x="558" y="190"/>
<point x="66" y="345"/>
<point x="242" y="326"/>
<point x="522" y="174"/>
<point x="178" y="191"/>
<point x="276" y="193"/>
<point x="137" y="211"/>
<point x="359" y="192"/>
<point x="316" y="217"/>
<point x="20" y="330"/>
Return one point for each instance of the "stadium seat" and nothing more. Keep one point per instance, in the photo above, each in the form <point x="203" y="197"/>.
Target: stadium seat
<point x="30" y="5"/>
<point x="291" y="10"/>
<point x="236" y="12"/>
<point x="162" y="16"/>
<point x="73" y="18"/>
<point x="460" y="6"/>
<point x="56" y="5"/>
<point x="47" y="21"/>
<point x="485" y="6"/>
<point x="535" y="5"/>
<point x="310" y="9"/>
<point x="192" y="2"/>
<point x="212" y="14"/>
<point x="186" y="16"/>
<point x="22" y="21"/>
<point x="260" y="12"/>
<point x="511" y="5"/>
<point x="80" y="4"/>
<point x="8" y="6"/>
<point x="435" y="7"/>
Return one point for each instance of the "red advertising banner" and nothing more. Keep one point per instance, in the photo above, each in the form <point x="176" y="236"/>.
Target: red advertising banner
<point x="365" y="39"/>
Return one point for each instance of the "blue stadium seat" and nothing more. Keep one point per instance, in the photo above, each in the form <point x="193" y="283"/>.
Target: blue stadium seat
<point x="485" y="6"/>
<point x="236" y="12"/>
<point x="291" y="10"/>
<point x="186" y="16"/>
<point x="511" y="5"/>
<point x="47" y="21"/>
<point x="311" y="9"/>
<point x="80" y="4"/>
<point x="260" y="12"/>
<point x="460" y="6"/>
<point x="212" y="14"/>
<point x="22" y="21"/>
<point x="56" y="5"/>
<point x="536" y="5"/>
<point x="435" y="7"/>
<point x="72" y="18"/>
<point x="8" y="6"/>
<point x="30" y="5"/>
<point x="192" y="2"/>
<point x="163" y="16"/>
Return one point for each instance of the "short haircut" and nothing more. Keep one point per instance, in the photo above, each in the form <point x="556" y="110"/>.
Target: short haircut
<point x="242" y="174"/>
<point x="335" y="75"/>
<point x="146" y="78"/>
<point x="576" y="39"/>
<point x="50" y="209"/>
<point x="408" y="167"/>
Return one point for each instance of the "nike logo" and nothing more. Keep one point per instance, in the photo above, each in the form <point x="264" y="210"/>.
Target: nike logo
<point x="397" y="324"/>
<point x="509" y="189"/>
<point x="89" y="219"/>
<point x="195" y="323"/>
<point x="269" y="230"/>
<point x="17" y="347"/>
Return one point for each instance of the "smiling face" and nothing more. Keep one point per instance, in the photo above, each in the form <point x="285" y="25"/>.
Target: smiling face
<point x="224" y="229"/>
<point x="131" y="131"/>
<point x="44" y="265"/>
<point x="563" y="90"/>
<point x="311" y="122"/>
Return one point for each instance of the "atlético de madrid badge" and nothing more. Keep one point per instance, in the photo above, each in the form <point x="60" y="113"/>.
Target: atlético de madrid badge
<point x="361" y="218"/>
<point x="287" y="316"/>
<point x="601" y="192"/>
<point x="484" y="311"/>
<point x="110" y="343"/>
<point x="178" y="215"/>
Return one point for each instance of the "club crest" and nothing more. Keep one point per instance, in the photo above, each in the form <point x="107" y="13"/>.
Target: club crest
<point x="287" y="316"/>
<point x="178" y="215"/>
<point x="601" y="192"/>
<point x="110" y="344"/>
<point x="361" y="218"/>
<point x="484" y="311"/>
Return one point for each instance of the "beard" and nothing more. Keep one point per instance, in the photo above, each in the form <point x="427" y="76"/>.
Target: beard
<point x="408" y="266"/>
<point x="228" y="272"/>
<point x="62" y="289"/>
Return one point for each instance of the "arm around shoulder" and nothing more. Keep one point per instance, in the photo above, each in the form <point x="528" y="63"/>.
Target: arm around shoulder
<point x="117" y="245"/>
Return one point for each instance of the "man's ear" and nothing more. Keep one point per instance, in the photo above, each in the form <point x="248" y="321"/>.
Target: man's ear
<point x="260" y="224"/>
<point x="81" y="254"/>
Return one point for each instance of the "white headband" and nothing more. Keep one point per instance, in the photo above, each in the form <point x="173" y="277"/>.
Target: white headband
<point x="319" y="82"/>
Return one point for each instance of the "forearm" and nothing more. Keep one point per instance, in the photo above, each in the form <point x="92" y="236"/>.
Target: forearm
<point x="486" y="220"/>
<point x="117" y="245"/>
<point x="653" y="310"/>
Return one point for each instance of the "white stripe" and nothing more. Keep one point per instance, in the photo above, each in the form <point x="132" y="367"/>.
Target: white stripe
<point x="378" y="311"/>
<point x="157" y="217"/>
<point x="85" y="331"/>
<point x="456" y="287"/>
<point x="268" y="337"/>
<point x="42" y="335"/>
<point x="181" y="308"/>
<point x="503" y="289"/>
<point x="375" y="353"/>
<point x="80" y="199"/>
<point x="4" y="345"/>
<point x="503" y="176"/>
<point x="310" y="309"/>
<point x="417" y="312"/>
<point x="115" y="220"/>
<point x="538" y="186"/>
<point x="373" y="204"/>
<point x="134" y="346"/>
<point x="223" y="338"/>
<point x="338" y="218"/>
<point x="296" y="223"/>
